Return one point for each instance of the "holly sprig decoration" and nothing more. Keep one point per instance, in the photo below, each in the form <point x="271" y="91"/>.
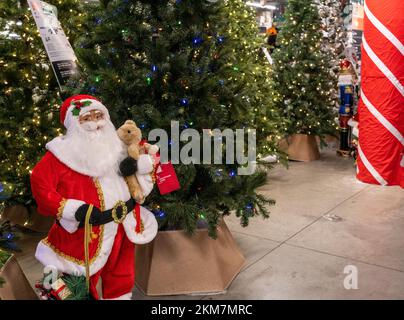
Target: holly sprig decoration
<point x="78" y="105"/>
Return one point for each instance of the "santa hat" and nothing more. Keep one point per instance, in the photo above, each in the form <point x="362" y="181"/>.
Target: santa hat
<point x="78" y="105"/>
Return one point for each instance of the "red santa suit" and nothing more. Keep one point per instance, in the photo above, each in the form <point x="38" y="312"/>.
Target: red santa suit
<point x="60" y="185"/>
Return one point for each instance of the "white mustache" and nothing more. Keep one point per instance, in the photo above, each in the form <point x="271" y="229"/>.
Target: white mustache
<point x="93" y="125"/>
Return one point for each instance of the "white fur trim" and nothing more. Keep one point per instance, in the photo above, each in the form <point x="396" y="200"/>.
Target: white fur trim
<point x="145" y="164"/>
<point x="68" y="220"/>
<point x="114" y="188"/>
<point x="95" y="105"/>
<point x="145" y="182"/>
<point x="150" y="227"/>
<point x="126" y="296"/>
<point x="45" y="255"/>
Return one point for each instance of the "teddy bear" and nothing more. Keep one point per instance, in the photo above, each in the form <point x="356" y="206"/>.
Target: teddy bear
<point x="131" y="136"/>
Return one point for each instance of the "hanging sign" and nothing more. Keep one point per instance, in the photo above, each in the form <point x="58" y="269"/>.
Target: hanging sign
<point x="58" y="48"/>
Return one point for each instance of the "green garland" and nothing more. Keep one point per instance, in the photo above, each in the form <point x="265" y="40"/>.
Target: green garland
<point x="77" y="286"/>
<point x="4" y="256"/>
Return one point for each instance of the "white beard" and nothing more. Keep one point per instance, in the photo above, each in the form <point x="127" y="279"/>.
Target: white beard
<point x="89" y="151"/>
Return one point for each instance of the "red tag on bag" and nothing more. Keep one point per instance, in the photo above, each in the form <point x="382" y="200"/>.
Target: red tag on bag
<point x="167" y="180"/>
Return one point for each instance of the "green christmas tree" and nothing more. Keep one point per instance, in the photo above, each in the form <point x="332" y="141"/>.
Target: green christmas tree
<point x="29" y="94"/>
<point x="245" y="51"/>
<point x="188" y="61"/>
<point x="303" y="85"/>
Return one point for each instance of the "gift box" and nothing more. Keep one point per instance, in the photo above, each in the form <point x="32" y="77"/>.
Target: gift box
<point x="177" y="263"/>
<point x="16" y="286"/>
<point x="61" y="290"/>
<point x="300" y="147"/>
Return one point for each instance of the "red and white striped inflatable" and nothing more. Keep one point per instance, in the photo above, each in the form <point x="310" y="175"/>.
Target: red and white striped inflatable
<point x="381" y="108"/>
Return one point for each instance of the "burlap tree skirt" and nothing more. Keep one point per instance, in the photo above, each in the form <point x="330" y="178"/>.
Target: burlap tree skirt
<point x="16" y="286"/>
<point x="176" y="263"/>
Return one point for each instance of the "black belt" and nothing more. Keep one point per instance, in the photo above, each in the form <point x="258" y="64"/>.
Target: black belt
<point x="116" y="212"/>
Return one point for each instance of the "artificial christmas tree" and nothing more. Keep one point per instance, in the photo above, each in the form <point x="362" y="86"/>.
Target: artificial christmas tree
<point x="245" y="49"/>
<point x="158" y="61"/>
<point x="303" y="86"/>
<point x="333" y="46"/>
<point x="29" y="95"/>
<point x="334" y="38"/>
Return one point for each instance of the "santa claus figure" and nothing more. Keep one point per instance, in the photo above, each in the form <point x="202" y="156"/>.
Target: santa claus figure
<point x="79" y="170"/>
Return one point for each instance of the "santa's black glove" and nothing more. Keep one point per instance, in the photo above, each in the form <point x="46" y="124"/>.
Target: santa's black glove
<point x="128" y="167"/>
<point x="95" y="218"/>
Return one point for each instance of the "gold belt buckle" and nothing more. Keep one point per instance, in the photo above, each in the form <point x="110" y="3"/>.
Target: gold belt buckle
<point x="124" y="211"/>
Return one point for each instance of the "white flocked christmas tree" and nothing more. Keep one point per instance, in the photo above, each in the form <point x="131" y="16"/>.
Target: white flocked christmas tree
<point x="334" y="36"/>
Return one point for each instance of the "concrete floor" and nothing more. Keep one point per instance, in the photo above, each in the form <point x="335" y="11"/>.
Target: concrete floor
<point x="324" y="220"/>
